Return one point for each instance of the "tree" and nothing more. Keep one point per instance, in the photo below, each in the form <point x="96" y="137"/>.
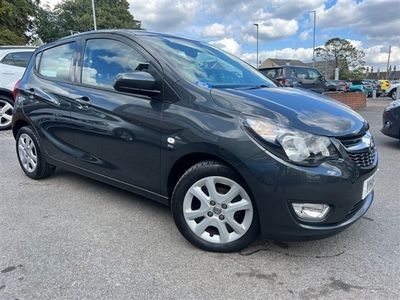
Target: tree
<point x="76" y="16"/>
<point x="340" y="53"/>
<point x="16" y="21"/>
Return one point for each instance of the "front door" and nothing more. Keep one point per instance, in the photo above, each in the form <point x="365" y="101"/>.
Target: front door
<point x="117" y="133"/>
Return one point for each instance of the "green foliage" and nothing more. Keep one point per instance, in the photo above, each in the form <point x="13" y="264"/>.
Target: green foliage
<point x="76" y="16"/>
<point x="16" y="21"/>
<point x="355" y="74"/>
<point x="340" y="53"/>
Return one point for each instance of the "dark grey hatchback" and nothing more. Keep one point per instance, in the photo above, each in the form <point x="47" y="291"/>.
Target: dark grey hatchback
<point x="188" y="125"/>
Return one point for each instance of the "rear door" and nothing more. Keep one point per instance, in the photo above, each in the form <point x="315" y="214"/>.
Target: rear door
<point x="48" y="88"/>
<point x="310" y="79"/>
<point x="117" y="134"/>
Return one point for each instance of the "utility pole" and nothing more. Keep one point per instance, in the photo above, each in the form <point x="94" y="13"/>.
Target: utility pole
<point x="313" y="47"/>
<point x="387" y="67"/>
<point x="94" y="15"/>
<point x="256" y="24"/>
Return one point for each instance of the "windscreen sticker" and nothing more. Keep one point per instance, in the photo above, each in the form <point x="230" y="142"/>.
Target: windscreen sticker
<point x="203" y="84"/>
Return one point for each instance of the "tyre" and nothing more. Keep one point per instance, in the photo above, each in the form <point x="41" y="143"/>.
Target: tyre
<point x="30" y="155"/>
<point x="393" y="94"/>
<point x="6" y="107"/>
<point x="213" y="209"/>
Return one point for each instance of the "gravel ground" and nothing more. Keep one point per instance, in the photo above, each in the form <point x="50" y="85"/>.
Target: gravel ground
<point x="68" y="237"/>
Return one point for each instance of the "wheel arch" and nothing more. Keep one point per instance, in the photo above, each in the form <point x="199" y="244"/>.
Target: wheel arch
<point x="188" y="160"/>
<point x="6" y="93"/>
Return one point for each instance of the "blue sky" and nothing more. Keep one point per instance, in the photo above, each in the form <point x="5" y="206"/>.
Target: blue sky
<point x="285" y="25"/>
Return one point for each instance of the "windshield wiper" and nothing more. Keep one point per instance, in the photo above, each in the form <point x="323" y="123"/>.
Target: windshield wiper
<point x="255" y="87"/>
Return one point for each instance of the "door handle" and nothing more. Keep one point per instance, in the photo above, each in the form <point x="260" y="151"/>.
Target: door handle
<point x="84" y="101"/>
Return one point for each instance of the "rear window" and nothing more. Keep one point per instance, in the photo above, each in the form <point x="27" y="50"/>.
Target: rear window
<point x="273" y="73"/>
<point x="19" y="59"/>
<point x="56" y="62"/>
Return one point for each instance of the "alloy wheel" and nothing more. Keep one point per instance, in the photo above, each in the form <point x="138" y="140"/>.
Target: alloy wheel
<point x="5" y="113"/>
<point x="27" y="153"/>
<point x="217" y="209"/>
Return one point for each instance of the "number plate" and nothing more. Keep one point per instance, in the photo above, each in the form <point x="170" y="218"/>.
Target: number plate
<point x="368" y="186"/>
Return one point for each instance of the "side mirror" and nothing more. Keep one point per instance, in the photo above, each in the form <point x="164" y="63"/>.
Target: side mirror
<point x="137" y="82"/>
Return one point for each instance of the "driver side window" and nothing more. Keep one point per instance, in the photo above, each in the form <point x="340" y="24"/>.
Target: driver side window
<point x="104" y="59"/>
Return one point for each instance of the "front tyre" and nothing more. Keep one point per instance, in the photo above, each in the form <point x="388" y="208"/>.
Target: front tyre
<point x="30" y="156"/>
<point x="213" y="210"/>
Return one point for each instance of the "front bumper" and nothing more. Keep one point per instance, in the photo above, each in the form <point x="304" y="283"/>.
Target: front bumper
<point x="391" y="124"/>
<point x="275" y="184"/>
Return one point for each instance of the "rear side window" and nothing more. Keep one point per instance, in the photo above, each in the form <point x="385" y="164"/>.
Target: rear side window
<point x="273" y="73"/>
<point x="19" y="59"/>
<point x="104" y="59"/>
<point x="56" y="62"/>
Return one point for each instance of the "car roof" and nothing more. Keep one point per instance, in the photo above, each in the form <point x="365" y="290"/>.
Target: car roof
<point x="16" y="47"/>
<point x="135" y="32"/>
<point x="280" y="67"/>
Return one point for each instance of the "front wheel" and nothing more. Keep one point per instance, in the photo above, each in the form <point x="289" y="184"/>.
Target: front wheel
<point x="394" y="94"/>
<point x="213" y="210"/>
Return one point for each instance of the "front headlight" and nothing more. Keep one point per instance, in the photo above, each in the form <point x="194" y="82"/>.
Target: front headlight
<point x="298" y="147"/>
<point x="392" y="105"/>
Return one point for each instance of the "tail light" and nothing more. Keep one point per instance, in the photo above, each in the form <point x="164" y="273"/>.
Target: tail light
<point x="15" y="91"/>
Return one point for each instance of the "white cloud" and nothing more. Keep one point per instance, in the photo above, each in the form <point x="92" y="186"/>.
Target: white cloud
<point x="305" y="35"/>
<point x="303" y="54"/>
<point x="377" y="19"/>
<point x="270" y="29"/>
<point x="163" y="15"/>
<point x="214" y="30"/>
<point x="228" y="45"/>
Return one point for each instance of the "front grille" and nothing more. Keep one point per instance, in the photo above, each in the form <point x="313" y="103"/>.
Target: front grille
<point x="361" y="149"/>
<point x="349" y="142"/>
<point x="363" y="159"/>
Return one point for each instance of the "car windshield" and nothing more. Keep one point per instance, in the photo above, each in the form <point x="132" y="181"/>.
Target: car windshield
<point x="206" y="65"/>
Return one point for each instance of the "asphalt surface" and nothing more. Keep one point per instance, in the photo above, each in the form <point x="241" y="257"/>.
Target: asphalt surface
<point x="68" y="237"/>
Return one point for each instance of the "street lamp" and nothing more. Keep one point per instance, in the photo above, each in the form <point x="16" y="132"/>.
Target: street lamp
<point x="313" y="48"/>
<point x="94" y="15"/>
<point x="256" y="24"/>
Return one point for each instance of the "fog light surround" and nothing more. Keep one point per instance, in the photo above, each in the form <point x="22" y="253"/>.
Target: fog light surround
<point x="312" y="212"/>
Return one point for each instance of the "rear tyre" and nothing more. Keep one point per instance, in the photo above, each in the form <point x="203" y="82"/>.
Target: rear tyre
<point x="6" y="107"/>
<point x="30" y="155"/>
<point x="213" y="210"/>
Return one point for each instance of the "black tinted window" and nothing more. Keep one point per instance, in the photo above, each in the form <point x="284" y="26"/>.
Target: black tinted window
<point x="104" y="59"/>
<point x="273" y="73"/>
<point x="20" y="59"/>
<point x="57" y="62"/>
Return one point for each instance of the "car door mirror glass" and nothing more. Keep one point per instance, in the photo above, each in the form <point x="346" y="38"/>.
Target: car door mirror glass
<point x="137" y="82"/>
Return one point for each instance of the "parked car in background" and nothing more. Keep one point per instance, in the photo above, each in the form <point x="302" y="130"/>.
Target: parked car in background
<point x="392" y="90"/>
<point x="385" y="84"/>
<point x="198" y="130"/>
<point x="340" y="85"/>
<point x="375" y="86"/>
<point x="391" y="120"/>
<point x="361" y="86"/>
<point x="13" y="60"/>
<point x="299" y="76"/>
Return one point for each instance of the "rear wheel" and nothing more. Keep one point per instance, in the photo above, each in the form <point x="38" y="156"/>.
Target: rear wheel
<point x="213" y="210"/>
<point x="6" y="107"/>
<point x="30" y="155"/>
